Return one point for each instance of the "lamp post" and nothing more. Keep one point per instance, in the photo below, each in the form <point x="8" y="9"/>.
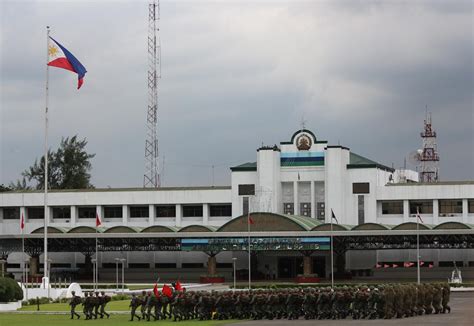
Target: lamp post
<point x="47" y="280"/>
<point x="122" y="260"/>
<point x="94" y="261"/>
<point x="117" y="260"/>
<point x="234" y="260"/>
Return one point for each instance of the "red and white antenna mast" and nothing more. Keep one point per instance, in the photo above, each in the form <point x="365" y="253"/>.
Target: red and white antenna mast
<point x="429" y="158"/>
<point x="151" y="178"/>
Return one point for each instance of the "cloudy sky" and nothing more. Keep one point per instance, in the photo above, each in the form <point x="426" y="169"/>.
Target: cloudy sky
<point x="236" y="74"/>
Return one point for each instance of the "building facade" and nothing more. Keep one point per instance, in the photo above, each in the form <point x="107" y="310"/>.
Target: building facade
<point x="303" y="177"/>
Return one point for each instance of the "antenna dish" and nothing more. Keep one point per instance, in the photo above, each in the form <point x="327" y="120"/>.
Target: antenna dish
<point x="415" y="157"/>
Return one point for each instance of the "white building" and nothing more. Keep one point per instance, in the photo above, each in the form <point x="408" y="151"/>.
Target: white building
<point x="304" y="177"/>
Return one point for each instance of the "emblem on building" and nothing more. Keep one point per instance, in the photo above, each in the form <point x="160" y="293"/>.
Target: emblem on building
<point x="303" y="142"/>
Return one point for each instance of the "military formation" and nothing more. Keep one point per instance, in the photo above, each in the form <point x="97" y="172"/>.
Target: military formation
<point x="358" y="302"/>
<point x="93" y="305"/>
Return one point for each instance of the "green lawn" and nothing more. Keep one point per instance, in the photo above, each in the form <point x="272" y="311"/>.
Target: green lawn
<point x="115" y="320"/>
<point x="121" y="305"/>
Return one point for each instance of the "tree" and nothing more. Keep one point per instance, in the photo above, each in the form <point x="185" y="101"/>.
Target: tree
<point x="68" y="168"/>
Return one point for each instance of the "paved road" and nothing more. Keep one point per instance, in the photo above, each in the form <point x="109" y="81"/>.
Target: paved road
<point x="462" y="313"/>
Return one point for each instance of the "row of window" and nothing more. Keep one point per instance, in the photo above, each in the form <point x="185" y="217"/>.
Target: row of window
<point x="445" y="206"/>
<point x="89" y="212"/>
<point x="305" y="209"/>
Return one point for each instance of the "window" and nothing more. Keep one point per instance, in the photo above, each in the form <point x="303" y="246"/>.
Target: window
<point x="288" y="208"/>
<point x="392" y="207"/>
<point x="360" y="208"/>
<point x="247" y="190"/>
<point x="450" y="263"/>
<point x="192" y="210"/>
<point x="470" y="206"/>
<point x="165" y="265"/>
<point x="305" y="209"/>
<point x="139" y="211"/>
<point x="220" y="210"/>
<point x="138" y="265"/>
<point x="86" y="212"/>
<point x="447" y="206"/>
<point x="245" y="205"/>
<point x="224" y="265"/>
<point x="166" y="211"/>
<point x="424" y="206"/>
<point x="35" y="213"/>
<point x="360" y="188"/>
<point x="192" y="265"/>
<point x="62" y="212"/>
<point x="11" y="213"/>
<point x="320" y="210"/>
<point x="113" y="211"/>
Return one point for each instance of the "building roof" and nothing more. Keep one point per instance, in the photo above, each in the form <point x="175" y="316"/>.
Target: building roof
<point x="249" y="166"/>
<point x="357" y="161"/>
<point x="123" y="189"/>
<point x="438" y="183"/>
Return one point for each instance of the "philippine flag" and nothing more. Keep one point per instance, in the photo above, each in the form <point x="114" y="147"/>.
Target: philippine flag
<point x="60" y="57"/>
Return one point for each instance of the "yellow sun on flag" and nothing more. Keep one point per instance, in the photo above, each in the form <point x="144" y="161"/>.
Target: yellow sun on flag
<point x="52" y="51"/>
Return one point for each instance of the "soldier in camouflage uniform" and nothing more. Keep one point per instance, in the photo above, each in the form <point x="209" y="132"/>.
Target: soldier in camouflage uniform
<point x="104" y="299"/>
<point x="143" y="299"/>
<point x="445" y="300"/>
<point x="86" y="306"/>
<point x="75" y="300"/>
<point x="134" y="304"/>
<point x="437" y="298"/>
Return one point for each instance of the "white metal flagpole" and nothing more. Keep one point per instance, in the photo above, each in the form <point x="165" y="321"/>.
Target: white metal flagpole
<point x="248" y="230"/>
<point x="332" y="255"/>
<point x="46" y="211"/>
<point x="417" y="246"/>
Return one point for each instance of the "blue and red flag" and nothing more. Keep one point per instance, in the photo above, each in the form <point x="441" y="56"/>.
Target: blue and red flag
<point x="60" y="57"/>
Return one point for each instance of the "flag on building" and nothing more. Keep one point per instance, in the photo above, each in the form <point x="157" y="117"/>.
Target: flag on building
<point x="395" y="266"/>
<point x="418" y="215"/>
<point x="60" y="57"/>
<point x="386" y="266"/>
<point x="378" y="265"/>
<point x="422" y="263"/>
<point x="22" y="222"/>
<point x="250" y="220"/>
<point x="98" y="222"/>
<point x="334" y="216"/>
<point x="430" y="266"/>
<point x="408" y="264"/>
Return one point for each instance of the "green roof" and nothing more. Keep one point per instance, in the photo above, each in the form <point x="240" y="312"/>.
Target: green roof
<point x="249" y="166"/>
<point x="357" y="161"/>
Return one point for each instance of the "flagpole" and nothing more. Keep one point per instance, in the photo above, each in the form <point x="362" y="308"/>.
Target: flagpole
<point x="46" y="211"/>
<point x="418" y="245"/>
<point x="332" y="256"/>
<point x="96" y="261"/>
<point x="248" y="230"/>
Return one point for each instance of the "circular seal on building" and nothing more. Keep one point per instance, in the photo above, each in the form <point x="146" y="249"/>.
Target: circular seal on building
<point x="303" y="142"/>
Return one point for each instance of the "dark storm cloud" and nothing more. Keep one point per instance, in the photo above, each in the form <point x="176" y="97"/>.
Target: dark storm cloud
<point x="236" y="74"/>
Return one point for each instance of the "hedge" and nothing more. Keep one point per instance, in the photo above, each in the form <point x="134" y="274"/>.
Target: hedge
<point x="10" y="290"/>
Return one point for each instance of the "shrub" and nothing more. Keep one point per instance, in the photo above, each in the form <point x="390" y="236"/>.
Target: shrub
<point x="10" y="290"/>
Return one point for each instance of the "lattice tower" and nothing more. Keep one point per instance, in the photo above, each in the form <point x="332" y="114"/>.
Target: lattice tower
<point x="429" y="158"/>
<point x="151" y="177"/>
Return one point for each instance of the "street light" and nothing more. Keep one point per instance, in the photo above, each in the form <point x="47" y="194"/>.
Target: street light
<point x="234" y="260"/>
<point x="94" y="261"/>
<point x="47" y="280"/>
<point x="123" y="270"/>
<point x="117" y="260"/>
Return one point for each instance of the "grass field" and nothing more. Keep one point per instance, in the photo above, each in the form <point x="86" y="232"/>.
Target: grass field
<point x="116" y="320"/>
<point x="121" y="305"/>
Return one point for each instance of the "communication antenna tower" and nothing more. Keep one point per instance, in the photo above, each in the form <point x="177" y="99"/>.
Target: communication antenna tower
<point x="429" y="157"/>
<point x="151" y="178"/>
